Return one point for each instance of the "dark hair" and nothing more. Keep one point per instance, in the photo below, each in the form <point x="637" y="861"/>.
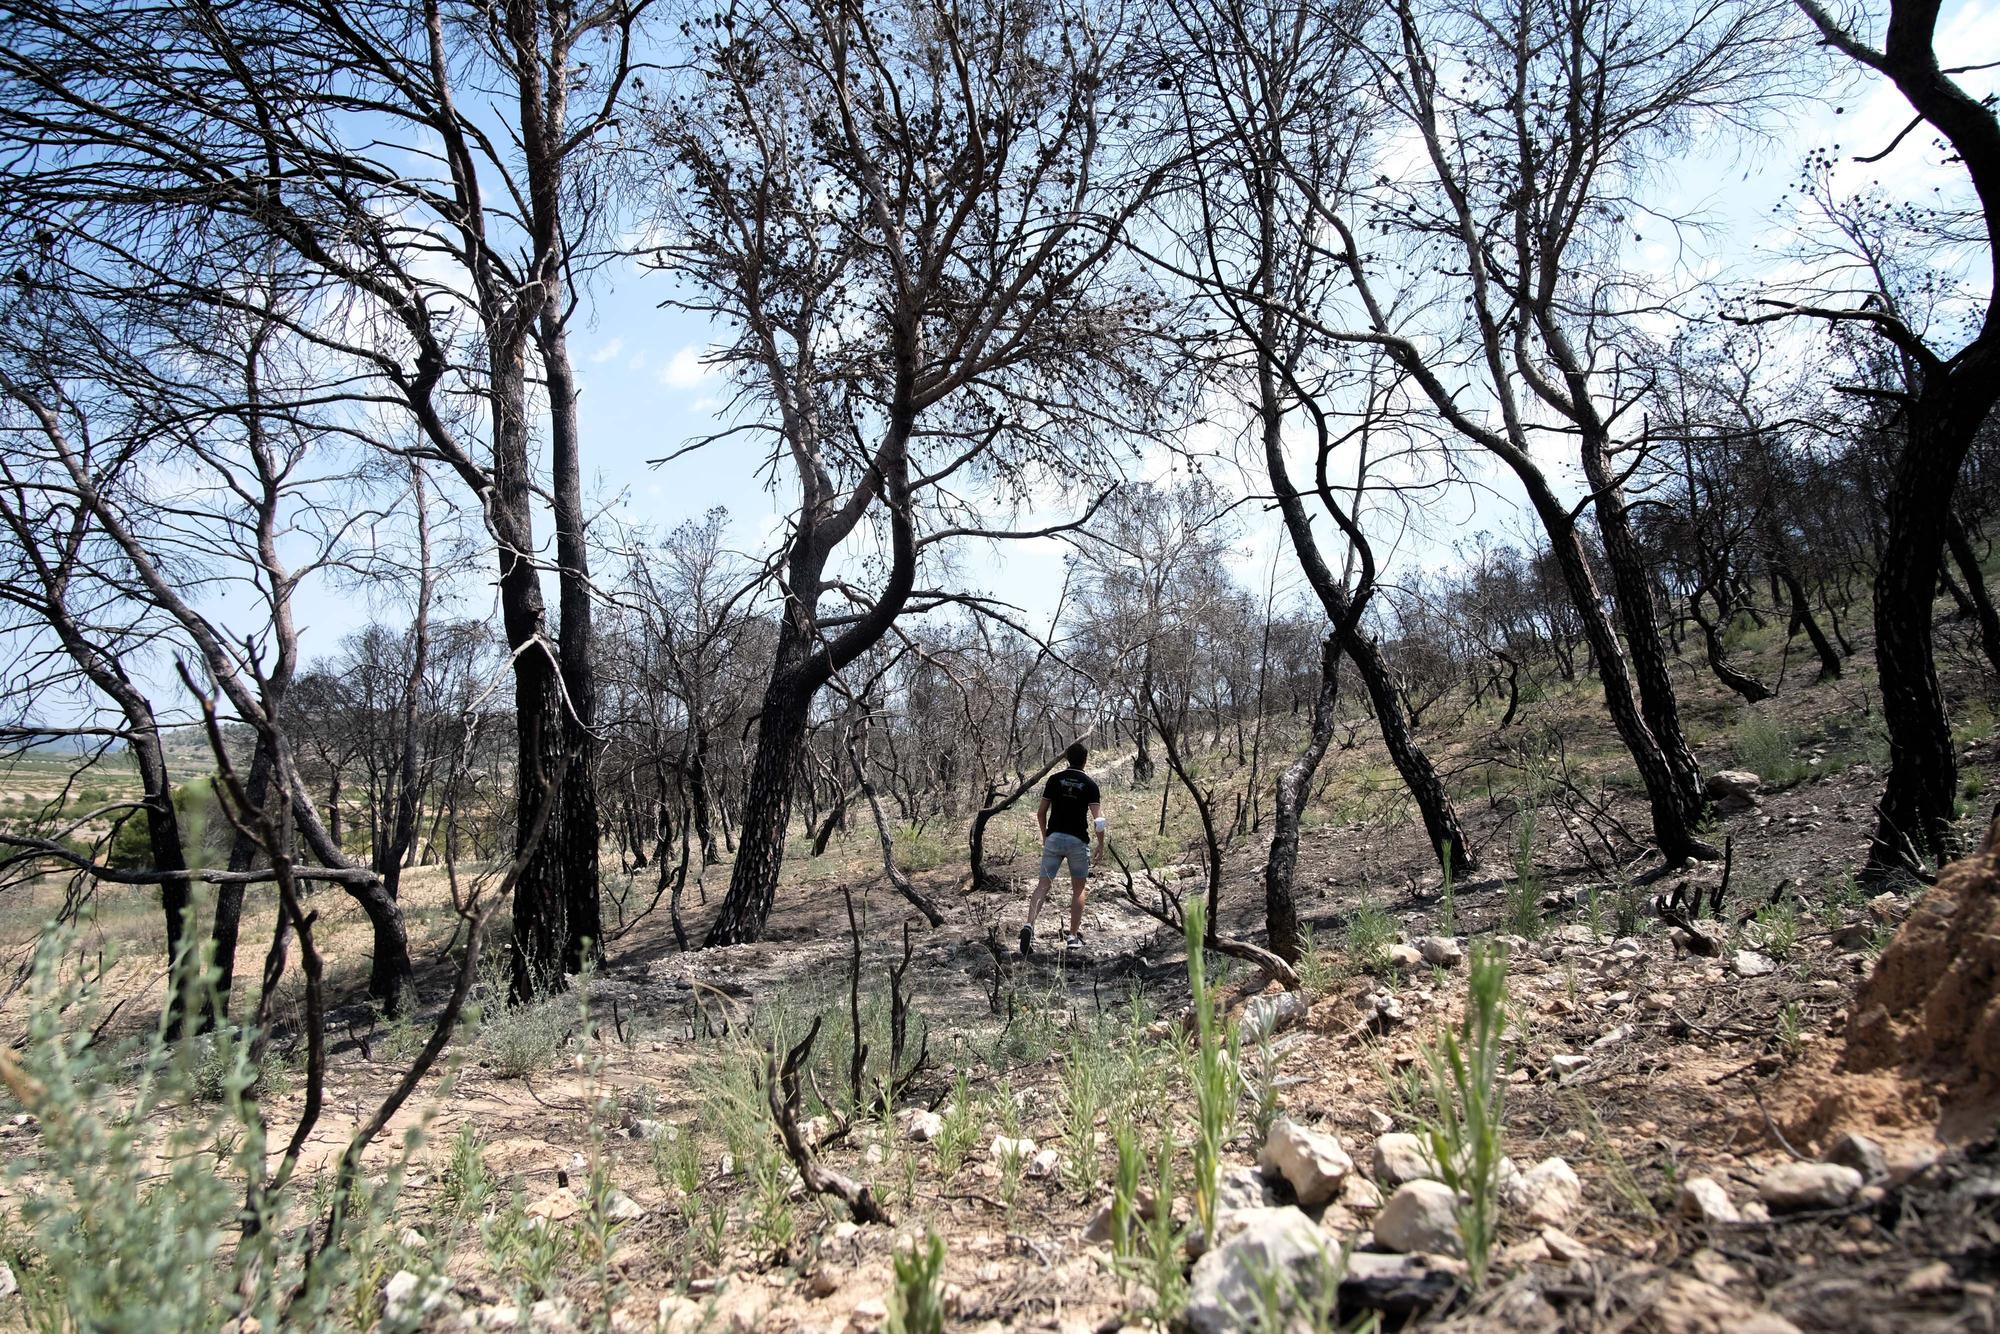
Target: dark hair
<point x="1077" y="754"/>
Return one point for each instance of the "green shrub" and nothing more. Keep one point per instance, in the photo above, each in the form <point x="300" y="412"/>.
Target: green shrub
<point x="916" y="1303"/>
<point x="522" y="1040"/>
<point x="960" y="1128"/>
<point x="1217" y="1078"/>
<point x="1467" y="1073"/>
<point x="1775" y="929"/>
<point x="1318" y="969"/>
<point x="1084" y="1079"/>
<point x="466" y="1186"/>
<point x="1769" y="749"/>
<point x="132" y="1194"/>
<point x="1370" y="932"/>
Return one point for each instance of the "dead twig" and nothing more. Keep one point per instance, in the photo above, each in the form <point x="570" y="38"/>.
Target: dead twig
<point x="1169" y="913"/>
<point x="781" y="1091"/>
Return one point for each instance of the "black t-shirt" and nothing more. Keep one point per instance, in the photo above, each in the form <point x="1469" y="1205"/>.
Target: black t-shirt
<point x="1070" y="795"/>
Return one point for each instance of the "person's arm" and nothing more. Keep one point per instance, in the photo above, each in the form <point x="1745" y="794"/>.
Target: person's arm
<point x="1042" y="818"/>
<point x="1097" y="823"/>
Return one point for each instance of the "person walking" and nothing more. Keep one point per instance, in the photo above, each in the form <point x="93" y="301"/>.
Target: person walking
<point x="1067" y="816"/>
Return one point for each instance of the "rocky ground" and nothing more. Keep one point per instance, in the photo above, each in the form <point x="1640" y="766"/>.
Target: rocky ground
<point x="1691" y="1155"/>
<point x="1690" y="1145"/>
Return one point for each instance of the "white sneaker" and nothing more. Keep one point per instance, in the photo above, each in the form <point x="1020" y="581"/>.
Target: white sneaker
<point x="1074" y="942"/>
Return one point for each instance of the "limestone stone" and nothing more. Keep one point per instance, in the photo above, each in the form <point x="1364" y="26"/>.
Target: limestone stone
<point x="1796" y="1186"/>
<point x="1422" y="1216"/>
<point x="1311" y="1161"/>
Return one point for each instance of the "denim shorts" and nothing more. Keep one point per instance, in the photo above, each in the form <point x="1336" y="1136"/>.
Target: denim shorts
<point x="1060" y="848"/>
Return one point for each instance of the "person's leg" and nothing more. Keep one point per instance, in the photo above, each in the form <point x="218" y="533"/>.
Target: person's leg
<point x="1051" y="859"/>
<point x="1035" y="899"/>
<point x="1079" y="881"/>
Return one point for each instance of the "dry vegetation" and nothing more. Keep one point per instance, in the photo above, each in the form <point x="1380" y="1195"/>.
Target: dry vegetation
<point x="609" y="1156"/>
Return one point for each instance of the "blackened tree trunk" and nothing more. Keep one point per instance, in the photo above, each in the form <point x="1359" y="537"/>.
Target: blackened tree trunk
<point x="1913" y="829"/>
<point x="545" y="945"/>
<point x="100" y="660"/>
<point x="1802" y="618"/>
<point x="408" y="795"/>
<point x="582" y="902"/>
<point x="1675" y="815"/>
<point x="227" y="927"/>
<point x="1950" y="397"/>
<point x="1976" y="591"/>
<point x="767" y="809"/>
<point x="1418" y="773"/>
<point x="1281" y="914"/>
<point x="1749" y="687"/>
<point x="1637" y="612"/>
<point x="1142" y="758"/>
<point x="698" y="794"/>
<point x="806" y="660"/>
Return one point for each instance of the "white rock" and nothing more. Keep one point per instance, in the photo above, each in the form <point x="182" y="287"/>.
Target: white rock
<point x="1687" y="1305"/>
<point x="1749" y="963"/>
<point x="1400" y="1157"/>
<point x="1568" y="1063"/>
<point x="412" y="1240"/>
<point x="1613" y="1038"/>
<point x="1547" y="1193"/>
<point x="678" y="1315"/>
<point x="556" y="1206"/>
<point x="1862" y="1154"/>
<point x="1265" y="1015"/>
<point x="407" y="1298"/>
<point x="1732" y="783"/>
<point x="1440" y="951"/>
<point x="1044" y="1163"/>
<point x="1244" y="1188"/>
<point x="641" y="1128"/>
<point x="1405" y="957"/>
<point x="1420" y="1216"/>
<point x="1019" y="1150"/>
<point x="1223" y="1295"/>
<point x="1380" y="1121"/>
<point x="925" y="1126"/>
<point x="8" y="1285"/>
<point x="1795" y="1186"/>
<point x="869" y="1314"/>
<point x="1360" y="1194"/>
<point x="1311" y="1160"/>
<point x="551" y="1315"/>
<point x="1705" y="1198"/>
<point x="622" y="1208"/>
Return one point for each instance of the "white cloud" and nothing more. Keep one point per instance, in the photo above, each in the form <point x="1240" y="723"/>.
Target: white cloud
<point x="607" y="352"/>
<point x="686" y="369"/>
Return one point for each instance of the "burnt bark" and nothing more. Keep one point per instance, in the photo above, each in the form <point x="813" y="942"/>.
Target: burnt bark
<point x="1749" y="687"/>
<point x="1802" y="618"/>
<point x="1976" y="592"/>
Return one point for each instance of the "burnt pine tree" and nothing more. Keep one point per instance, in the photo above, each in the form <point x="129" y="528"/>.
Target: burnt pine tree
<point x="180" y="140"/>
<point x="1949" y="393"/>
<point x="1258" y="89"/>
<point x="903" y="219"/>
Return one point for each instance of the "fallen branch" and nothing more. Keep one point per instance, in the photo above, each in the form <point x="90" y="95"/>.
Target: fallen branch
<point x="1168" y="912"/>
<point x="781" y="1091"/>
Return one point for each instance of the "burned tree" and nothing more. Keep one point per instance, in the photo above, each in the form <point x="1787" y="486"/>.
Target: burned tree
<point x="903" y="222"/>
